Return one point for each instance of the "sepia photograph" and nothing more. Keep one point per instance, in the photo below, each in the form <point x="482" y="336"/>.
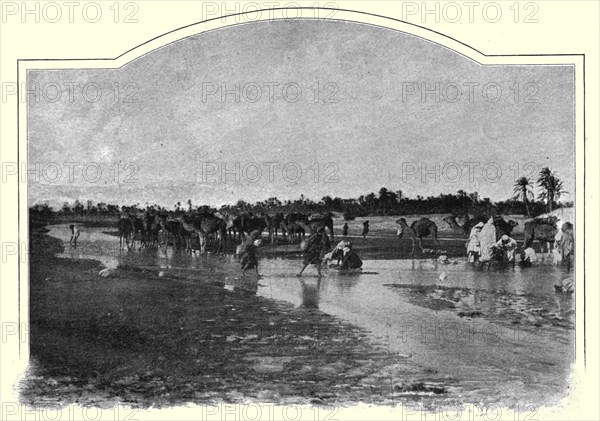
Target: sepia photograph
<point x="303" y="208"/>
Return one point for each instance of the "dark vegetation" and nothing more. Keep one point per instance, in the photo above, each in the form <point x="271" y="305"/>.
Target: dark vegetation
<point x="384" y="202"/>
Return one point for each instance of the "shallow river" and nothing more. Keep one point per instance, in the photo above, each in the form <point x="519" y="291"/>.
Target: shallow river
<point x="511" y="354"/>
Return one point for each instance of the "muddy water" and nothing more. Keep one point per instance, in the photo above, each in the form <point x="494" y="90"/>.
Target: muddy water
<point x="492" y="332"/>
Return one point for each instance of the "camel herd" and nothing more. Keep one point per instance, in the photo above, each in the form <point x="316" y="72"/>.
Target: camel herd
<point x="547" y="230"/>
<point x="151" y="228"/>
<point x="192" y="230"/>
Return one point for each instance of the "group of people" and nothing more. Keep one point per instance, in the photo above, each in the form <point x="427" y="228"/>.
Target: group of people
<point x="506" y="248"/>
<point x="365" y="230"/>
<point x="315" y="250"/>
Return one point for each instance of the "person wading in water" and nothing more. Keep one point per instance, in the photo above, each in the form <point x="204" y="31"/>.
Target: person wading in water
<point x="317" y="246"/>
<point x="365" y="229"/>
<point x="473" y="245"/>
<point x="74" y="235"/>
<point x="248" y="252"/>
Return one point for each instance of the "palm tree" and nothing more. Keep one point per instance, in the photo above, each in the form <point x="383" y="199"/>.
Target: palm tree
<point x="78" y="208"/>
<point x="523" y="190"/>
<point x="370" y="201"/>
<point x="551" y="185"/>
<point x="327" y="202"/>
<point x="384" y="198"/>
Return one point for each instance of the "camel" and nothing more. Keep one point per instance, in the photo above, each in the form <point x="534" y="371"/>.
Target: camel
<point x="171" y="227"/>
<point x="203" y="225"/>
<point x="467" y="226"/>
<point x="295" y="224"/>
<point x="253" y="223"/>
<point x="190" y="229"/>
<point x="211" y="224"/>
<point x="130" y="228"/>
<point x="283" y="226"/>
<point x="151" y="229"/>
<point x="274" y="223"/>
<point x="417" y="230"/>
<point x="244" y="224"/>
<point x="139" y="231"/>
<point x="504" y="227"/>
<point x="297" y="229"/>
<point x="321" y="221"/>
<point x="543" y="230"/>
<point x="233" y="226"/>
<point x="126" y="230"/>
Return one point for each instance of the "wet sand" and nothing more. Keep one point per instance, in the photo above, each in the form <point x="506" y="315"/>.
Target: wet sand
<point x="505" y="308"/>
<point x="398" y="332"/>
<point x="144" y="340"/>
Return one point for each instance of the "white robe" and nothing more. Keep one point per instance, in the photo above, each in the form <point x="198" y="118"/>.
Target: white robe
<point x="487" y="239"/>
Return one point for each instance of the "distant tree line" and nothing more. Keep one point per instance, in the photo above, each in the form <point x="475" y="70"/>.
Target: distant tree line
<point x="384" y="202"/>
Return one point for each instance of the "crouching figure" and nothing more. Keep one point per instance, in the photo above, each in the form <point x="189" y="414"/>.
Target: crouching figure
<point x="346" y="257"/>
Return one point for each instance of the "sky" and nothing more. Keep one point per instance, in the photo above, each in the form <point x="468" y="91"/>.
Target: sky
<point x="284" y="108"/>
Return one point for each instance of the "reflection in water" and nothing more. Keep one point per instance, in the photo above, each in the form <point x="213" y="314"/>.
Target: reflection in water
<point x="310" y="293"/>
<point x="247" y="284"/>
<point x="72" y="250"/>
<point x="346" y="281"/>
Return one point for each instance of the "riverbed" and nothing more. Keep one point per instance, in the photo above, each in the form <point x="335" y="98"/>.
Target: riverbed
<point x="501" y="336"/>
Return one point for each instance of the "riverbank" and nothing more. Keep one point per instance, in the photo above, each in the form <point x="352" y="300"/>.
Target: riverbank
<point x="145" y="340"/>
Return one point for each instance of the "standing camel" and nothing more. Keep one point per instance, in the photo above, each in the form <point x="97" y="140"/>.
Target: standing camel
<point x="190" y="229"/>
<point x="274" y="223"/>
<point x="504" y="227"/>
<point x="125" y="232"/>
<point x="295" y="224"/>
<point x="298" y="223"/>
<point x="171" y="227"/>
<point x="543" y="230"/>
<point x="467" y="226"/>
<point x="293" y="230"/>
<point x="139" y="231"/>
<point x="251" y="222"/>
<point x="211" y="224"/>
<point x="244" y="224"/>
<point x="233" y="226"/>
<point x="417" y="230"/>
<point x="151" y="229"/>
